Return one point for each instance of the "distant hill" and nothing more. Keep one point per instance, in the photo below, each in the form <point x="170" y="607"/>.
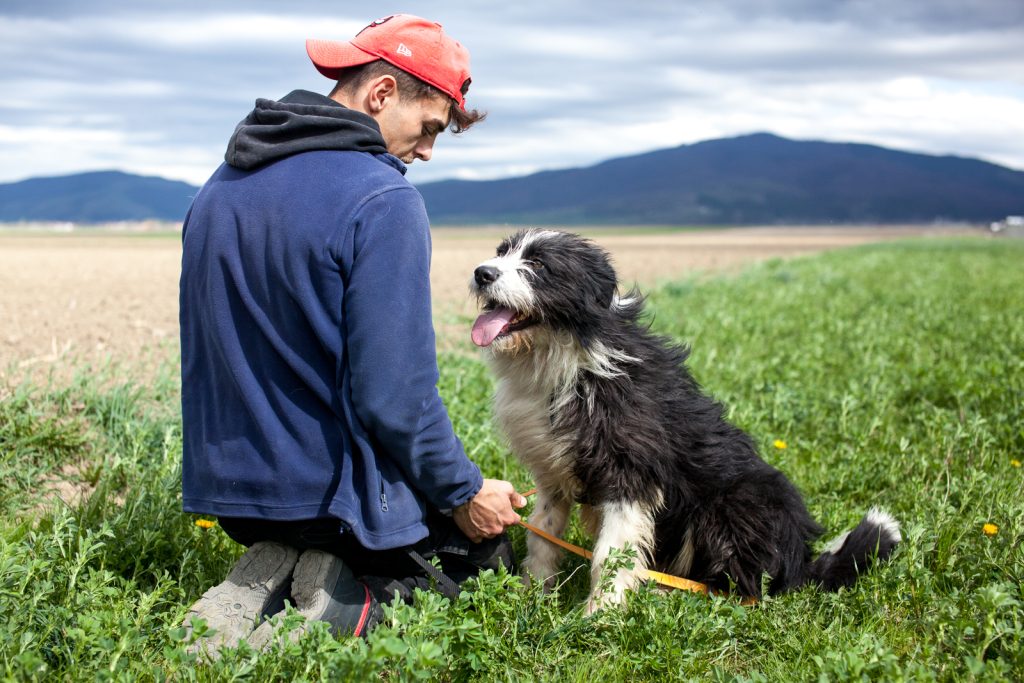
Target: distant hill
<point x="752" y="179"/>
<point x="96" y="197"/>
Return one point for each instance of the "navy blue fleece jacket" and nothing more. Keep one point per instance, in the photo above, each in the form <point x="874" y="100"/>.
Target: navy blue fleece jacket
<point x="308" y="361"/>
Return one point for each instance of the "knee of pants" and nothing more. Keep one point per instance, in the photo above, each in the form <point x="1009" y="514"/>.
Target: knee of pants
<point x="493" y="553"/>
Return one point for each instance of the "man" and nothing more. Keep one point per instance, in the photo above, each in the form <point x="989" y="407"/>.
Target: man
<point x="312" y="424"/>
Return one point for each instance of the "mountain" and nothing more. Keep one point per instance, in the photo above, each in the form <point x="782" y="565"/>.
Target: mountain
<point x="96" y="197"/>
<point x="751" y="179"/>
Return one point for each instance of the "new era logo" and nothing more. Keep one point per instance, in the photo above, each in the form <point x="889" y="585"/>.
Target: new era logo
<point x="403" y="50"/>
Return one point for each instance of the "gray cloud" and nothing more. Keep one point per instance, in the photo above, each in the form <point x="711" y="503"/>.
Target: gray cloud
<point x="158" y="87"/>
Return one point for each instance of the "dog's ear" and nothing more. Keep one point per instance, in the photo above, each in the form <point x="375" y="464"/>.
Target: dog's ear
<point x="606" y="294"/>
<point x="600" y="286"/>
<point x="603" y="280"/>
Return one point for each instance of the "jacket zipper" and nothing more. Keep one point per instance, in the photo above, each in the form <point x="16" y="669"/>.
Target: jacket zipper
<point x="383" y="498"/>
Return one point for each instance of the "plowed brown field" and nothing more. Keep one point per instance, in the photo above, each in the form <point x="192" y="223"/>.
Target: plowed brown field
<point x="70" y="299"/>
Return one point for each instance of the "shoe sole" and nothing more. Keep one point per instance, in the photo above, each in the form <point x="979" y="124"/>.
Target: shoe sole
<point x="233" y="607"/>
<point x="314" y="588"/>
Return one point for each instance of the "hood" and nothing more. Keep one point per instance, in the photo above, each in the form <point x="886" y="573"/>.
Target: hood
<point x="302" y="121"/>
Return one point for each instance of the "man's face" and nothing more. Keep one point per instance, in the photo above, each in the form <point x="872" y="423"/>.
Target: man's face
<point x="409" y="126"/>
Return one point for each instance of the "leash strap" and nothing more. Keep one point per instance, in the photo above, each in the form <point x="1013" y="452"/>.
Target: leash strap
<point x="659" y="577"/>
<point x="450" y="589"/>
<point x="551" y="538"/>
<point x="445" y="585"/>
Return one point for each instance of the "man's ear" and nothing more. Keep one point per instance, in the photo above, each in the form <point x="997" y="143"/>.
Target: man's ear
<point x="380" y="91"/>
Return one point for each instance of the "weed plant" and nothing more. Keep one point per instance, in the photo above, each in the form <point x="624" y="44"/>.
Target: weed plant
<point x="885" y="375"/>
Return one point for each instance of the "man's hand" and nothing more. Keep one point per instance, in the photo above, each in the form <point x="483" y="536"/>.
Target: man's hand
<point x="490" y="511"/>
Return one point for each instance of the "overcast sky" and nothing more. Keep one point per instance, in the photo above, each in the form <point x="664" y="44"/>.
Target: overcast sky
<point x="157" y="87"/>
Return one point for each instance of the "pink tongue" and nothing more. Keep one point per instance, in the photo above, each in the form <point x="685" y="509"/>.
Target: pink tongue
<point x="490" y="324"/>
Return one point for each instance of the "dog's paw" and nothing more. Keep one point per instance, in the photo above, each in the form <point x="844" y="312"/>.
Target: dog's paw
<point x="611" y="591"/>
<point x="609" y="599"/>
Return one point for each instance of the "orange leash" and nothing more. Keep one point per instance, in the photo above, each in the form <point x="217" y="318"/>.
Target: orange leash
<point x="659" y="577"/>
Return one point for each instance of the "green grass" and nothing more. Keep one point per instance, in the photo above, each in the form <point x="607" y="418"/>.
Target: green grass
<point x="894" y="373"/>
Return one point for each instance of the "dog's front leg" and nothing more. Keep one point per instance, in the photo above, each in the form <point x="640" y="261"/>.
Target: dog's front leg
<point x="623" y="524"/>
<point x="543" y="557"/>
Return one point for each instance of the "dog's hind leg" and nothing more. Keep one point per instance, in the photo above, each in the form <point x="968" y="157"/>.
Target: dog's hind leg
<point x="542" y="557"/>
<point x="623" y="525"/>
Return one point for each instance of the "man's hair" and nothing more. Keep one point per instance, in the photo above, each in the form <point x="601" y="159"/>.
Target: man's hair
<point x="409" y="86"/>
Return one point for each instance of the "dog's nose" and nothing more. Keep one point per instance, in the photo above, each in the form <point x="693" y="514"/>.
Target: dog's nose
<point x="485" y="275"/>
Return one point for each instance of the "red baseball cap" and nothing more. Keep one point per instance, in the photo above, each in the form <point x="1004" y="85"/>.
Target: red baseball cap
<point x="413" y="44"/>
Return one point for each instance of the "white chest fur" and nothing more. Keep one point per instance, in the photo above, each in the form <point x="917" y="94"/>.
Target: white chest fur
<point x="527" y="395"/>
<point x="525" y="418"/>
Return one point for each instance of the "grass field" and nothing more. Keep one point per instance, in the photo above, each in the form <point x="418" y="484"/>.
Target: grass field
<point x="894" y="375"/>
<point x="89" y="295"/>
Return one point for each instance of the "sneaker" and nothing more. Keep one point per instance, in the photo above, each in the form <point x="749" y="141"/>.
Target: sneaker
<point x="258" y="582"/>
<point x="324" y="589"/>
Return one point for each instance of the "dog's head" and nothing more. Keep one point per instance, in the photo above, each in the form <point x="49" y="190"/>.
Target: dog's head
<point x="542" y="280"/>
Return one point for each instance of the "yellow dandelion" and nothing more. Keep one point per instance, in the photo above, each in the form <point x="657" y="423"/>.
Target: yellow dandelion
<point x="1015" y="463"/>
<point x="990" y="529"/>
<point x="205" y="523"/>
<point x="780" y="444"/>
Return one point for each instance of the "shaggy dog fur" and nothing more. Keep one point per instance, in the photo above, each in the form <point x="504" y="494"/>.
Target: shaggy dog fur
<point x="606" y="414"/>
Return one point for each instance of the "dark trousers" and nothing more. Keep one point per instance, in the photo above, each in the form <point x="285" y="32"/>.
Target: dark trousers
<point x="385" y="572"/>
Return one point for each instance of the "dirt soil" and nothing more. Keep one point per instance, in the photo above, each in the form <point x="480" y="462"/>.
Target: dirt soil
<point x="70" y="299"/>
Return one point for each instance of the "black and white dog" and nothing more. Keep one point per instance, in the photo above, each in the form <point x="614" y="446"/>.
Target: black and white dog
<point x="606" y="414"/>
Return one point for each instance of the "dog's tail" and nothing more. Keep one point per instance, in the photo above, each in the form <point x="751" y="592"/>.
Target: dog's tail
<point x="874" y="538"/>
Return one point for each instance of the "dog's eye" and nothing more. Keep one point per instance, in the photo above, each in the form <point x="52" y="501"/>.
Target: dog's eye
<point x="536" y="264"/>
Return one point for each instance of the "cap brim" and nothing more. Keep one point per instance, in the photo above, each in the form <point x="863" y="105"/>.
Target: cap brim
<point x="331" y="57"/>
